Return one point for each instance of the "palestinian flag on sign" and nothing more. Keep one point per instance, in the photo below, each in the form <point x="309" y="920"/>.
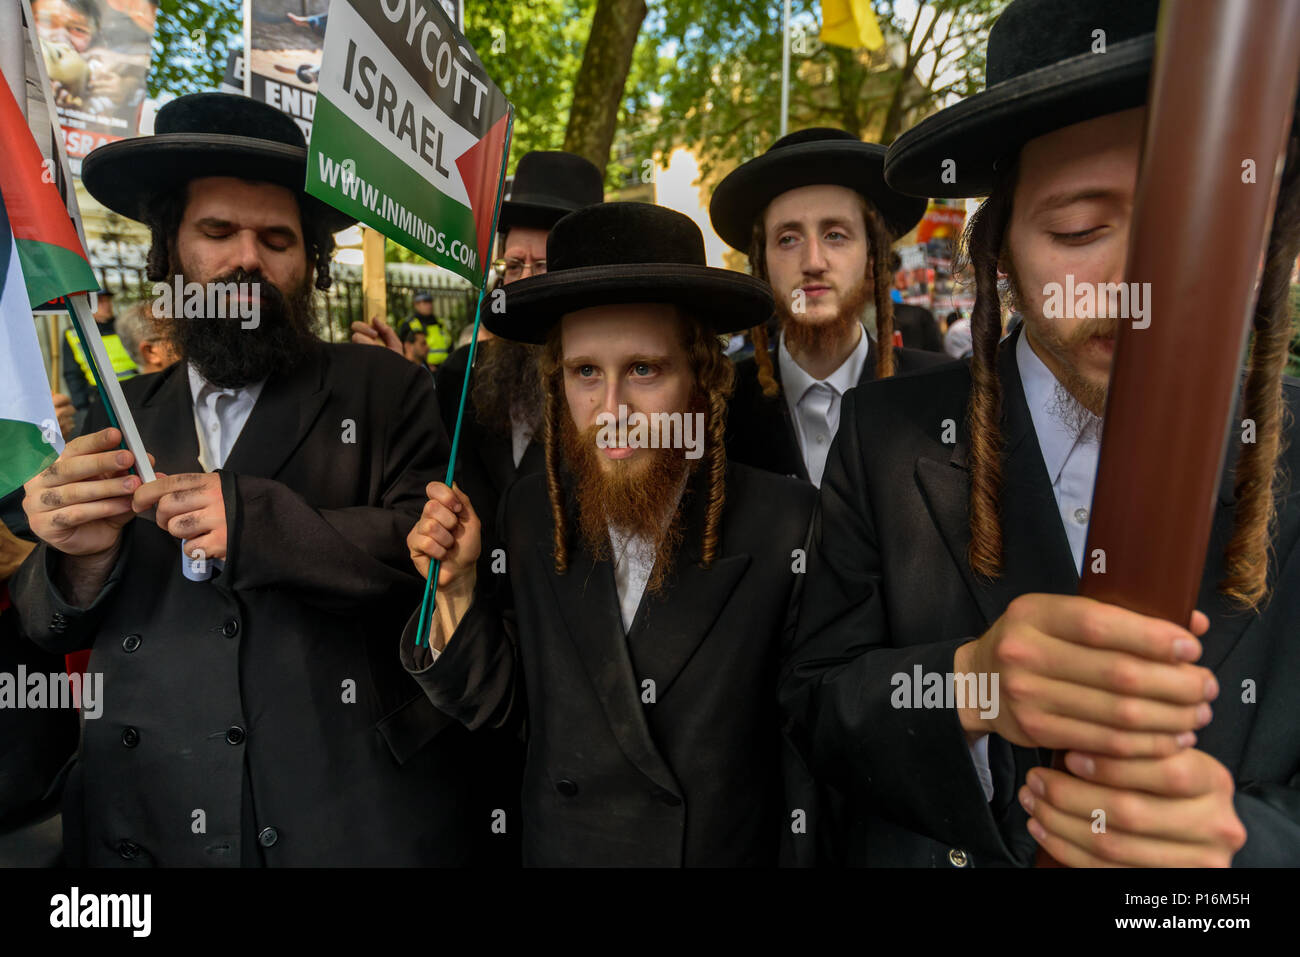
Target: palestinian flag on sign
<point x="40" y="259"/>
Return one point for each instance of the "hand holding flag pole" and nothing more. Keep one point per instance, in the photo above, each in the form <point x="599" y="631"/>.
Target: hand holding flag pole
<point x="431" y="582"/>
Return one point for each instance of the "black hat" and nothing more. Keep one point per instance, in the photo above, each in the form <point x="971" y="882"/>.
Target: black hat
<point x="204" y="134"/>
<point x="547" y="187"/>
<point x="423" y="296"/>
<point x="1042" y="75"/>
<point x="814" y="157"/>
<point x="613" y="253"/>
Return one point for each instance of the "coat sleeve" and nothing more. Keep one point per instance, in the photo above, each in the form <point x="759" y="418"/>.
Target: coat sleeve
<point x="337" y="558"/>
<point x="909" y="765"/>
<point x="1271" y="816"/>
<point x="476" y="678"/>
<point x="44" y="615"/>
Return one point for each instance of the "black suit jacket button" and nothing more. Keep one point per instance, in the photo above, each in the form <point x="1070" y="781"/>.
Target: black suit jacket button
<point x="58" y="623"/>
<point x="130" y="737"/>
<point x="267" y="836"/>
<point x="668" y="797"/>
<point x="230" y="628"/>
<point x="958" y="858"/>
<point x="127" y="850"/>
<point x="566" y="787"/>
<point x="130" y="643"/>
<point x="235" y="735"/>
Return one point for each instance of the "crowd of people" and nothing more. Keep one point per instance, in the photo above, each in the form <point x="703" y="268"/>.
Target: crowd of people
<point x="735" y="647"/>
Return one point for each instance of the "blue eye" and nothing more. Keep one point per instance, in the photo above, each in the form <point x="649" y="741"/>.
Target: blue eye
<point x="643" y="368"/>
<point x="586" y="371"/>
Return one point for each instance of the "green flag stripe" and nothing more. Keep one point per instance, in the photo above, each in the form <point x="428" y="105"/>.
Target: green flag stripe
<point x="51" y="271"/>
<point x="26" y="453"/>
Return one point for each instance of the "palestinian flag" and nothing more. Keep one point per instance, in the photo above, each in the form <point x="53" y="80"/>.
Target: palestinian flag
<point x="40" y="259"/>
<point x="53" y="262"/>
<point x="29" y="430"/>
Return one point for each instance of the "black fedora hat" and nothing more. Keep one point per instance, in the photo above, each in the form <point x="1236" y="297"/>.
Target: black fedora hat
<point x="808" y="158"/>
<point x="1042" y="74"/>
<point x="614" y="253"/>
<point x="204" y="134"/>
<point x="549" y="185"/>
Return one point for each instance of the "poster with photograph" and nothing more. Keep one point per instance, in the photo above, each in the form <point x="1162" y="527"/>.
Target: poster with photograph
<point x="285" y="39"/>
<point x="96" y="54"/>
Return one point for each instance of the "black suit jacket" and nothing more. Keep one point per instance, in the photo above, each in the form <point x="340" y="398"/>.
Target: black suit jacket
<point x="889" y="589"/>
<point x="693" y="777"/>
<point x="485" y="459"/>
<point x="760" y="432"/>
<point x="268" y="697"/>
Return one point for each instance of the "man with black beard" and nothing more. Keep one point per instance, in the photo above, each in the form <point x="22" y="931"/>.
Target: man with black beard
<point x="816" y="218"/>
<point x="237" y="606"/>
<point x="650" y="583"/>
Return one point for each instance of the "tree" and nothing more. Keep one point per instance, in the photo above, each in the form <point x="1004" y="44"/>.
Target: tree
<point x="721" y="72"/>
<point x="191" y="43"/>
<point x="602" y="78"/>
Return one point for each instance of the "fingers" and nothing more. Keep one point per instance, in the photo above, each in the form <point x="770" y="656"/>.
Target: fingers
<point x="1101" y="826"/>
<point x="465" y="502"/>
<point x="363" y="333"/>
<point x="76" y="515"/>
<point x="150" y="493"/>
<point x="210" y="545"/>
<point x="1059" y="732"/>
<point x="1094" y="624"/>
<point x="1182" y="775"/>
<point x="1200" y="623"/>
<point x="61" y="496"/>
<point x="1126" y="712"/>
<point x="1132" y="812"/>
<point x="1112" y="671"/>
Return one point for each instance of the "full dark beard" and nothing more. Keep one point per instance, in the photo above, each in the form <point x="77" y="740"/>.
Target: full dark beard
<point x="804" y="336"/>
<point x="641" y="498"/>
<point x="230" y="356"/>
<point x="506" y="381"/>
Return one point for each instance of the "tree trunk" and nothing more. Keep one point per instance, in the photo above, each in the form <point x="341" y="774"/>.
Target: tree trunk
<point x="598" y="89"/>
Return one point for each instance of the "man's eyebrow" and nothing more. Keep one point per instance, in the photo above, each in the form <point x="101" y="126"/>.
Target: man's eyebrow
<point x="579" y="361"/>
<point x="842" y="221"/>
<point x="1068" y="197"/>
<point x="216" y="222"/>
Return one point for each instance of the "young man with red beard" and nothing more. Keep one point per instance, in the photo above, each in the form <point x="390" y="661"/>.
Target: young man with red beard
<point x="816" y="218"/>
<point x="649" y="590"/>
<point x="936" y="556"/>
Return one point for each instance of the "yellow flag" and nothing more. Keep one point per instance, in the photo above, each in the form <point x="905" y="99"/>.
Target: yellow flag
<point x="850" y="23"/>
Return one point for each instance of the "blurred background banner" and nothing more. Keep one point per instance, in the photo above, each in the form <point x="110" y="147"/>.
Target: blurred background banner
<point x="96" y="55"/>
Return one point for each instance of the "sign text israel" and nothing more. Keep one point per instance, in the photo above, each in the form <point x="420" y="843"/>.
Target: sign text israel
<point x="409" y="131"/>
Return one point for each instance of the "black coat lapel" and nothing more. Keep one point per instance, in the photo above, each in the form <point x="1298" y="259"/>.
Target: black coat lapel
<point x="670" y="627"/>
<point x="285" y="410"/>
<point x="786" y="439"/>
<point x="165" y="418"/>
<point x="587" y="601"/>
<point x="1036" y="555"/>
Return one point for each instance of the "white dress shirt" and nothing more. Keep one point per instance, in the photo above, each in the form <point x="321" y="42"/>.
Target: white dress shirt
<point x="815" y="403"/>
<point x="1071" y="463"/>
<point x="634" y="560"/>
<point x="219" y="416"/>
<point x="520" y="435"/>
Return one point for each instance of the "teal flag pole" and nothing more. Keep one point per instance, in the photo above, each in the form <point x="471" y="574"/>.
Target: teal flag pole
<point x="431" y="582"/>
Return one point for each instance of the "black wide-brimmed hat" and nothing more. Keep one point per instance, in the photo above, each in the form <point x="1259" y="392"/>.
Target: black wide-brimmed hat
<point x="616" y="253"/>
<point x="204" y="134"/>
<point x="813" y="157"/>
<point x="549" y="185"/>
<point x="1042" y="74"/>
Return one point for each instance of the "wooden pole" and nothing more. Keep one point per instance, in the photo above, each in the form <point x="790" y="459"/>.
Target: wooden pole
<point x="374" y="290"/>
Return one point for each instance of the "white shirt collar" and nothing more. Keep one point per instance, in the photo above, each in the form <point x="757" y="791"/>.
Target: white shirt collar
<point x="200" y="386"/>
<point x="796" y="382"/>
<point x="1055" y="440"/>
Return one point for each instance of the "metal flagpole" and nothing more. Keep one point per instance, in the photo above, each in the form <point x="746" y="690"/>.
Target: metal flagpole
<point x="785" y="69"/>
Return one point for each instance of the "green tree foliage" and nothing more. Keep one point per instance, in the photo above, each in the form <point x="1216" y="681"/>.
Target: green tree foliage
<point x="719" y="72"/>
<point x="191" y="43"/>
